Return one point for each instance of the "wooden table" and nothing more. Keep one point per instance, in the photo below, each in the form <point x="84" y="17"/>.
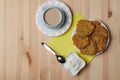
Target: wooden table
<point x="22" y="57"/>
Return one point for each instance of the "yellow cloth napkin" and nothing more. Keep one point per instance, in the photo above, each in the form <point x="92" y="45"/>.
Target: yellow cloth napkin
<point x="63" y="44"/>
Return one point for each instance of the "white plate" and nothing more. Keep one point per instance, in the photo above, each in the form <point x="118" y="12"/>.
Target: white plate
<point x="103" y="25"/>
<point x="53" y="4"/>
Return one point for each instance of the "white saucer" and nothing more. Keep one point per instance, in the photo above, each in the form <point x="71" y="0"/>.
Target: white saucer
<point x="53" y="4"/>
<point x="103" y="25"/>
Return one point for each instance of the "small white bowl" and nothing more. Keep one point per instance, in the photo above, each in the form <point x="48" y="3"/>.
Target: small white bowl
<point x="74" y="63"/>
<point x="61" y="19"/>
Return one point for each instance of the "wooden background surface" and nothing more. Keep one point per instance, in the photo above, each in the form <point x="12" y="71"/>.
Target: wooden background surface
<point x="22" y="57"/>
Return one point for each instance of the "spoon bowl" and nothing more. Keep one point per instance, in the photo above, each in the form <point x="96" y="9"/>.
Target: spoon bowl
<point x="60" y="58"/>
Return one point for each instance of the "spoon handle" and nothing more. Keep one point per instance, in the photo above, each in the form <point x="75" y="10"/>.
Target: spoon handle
<point x="48" y="48"/>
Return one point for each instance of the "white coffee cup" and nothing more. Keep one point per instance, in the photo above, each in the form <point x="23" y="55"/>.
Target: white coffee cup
<point x="53" y="18"/>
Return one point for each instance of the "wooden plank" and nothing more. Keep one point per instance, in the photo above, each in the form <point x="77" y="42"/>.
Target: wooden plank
<point x="2" y="31"/>
<point x="114" y="53"/>
<point x="23" y="43"/>
<point x="33" y="43"/>
<point x="10" y="56"/>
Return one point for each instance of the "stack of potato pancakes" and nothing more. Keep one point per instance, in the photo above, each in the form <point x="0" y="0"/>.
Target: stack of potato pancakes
<point x="90" y="37"/>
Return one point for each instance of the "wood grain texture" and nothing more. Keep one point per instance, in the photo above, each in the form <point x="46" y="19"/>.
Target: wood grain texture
<point x="22" y="57"/>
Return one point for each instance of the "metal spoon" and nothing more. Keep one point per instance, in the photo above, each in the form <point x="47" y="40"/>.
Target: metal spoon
<point x="60" y="58"/>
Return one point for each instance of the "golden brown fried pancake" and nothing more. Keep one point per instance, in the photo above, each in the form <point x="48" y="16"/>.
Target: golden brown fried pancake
<point x="101" y="31"/>
<point x="100" y="36"/>
<point x="90" y="49"/>
<point x="100" y="41"/>
<point x="84" y="28"/>
<point x="80" y="42"/>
